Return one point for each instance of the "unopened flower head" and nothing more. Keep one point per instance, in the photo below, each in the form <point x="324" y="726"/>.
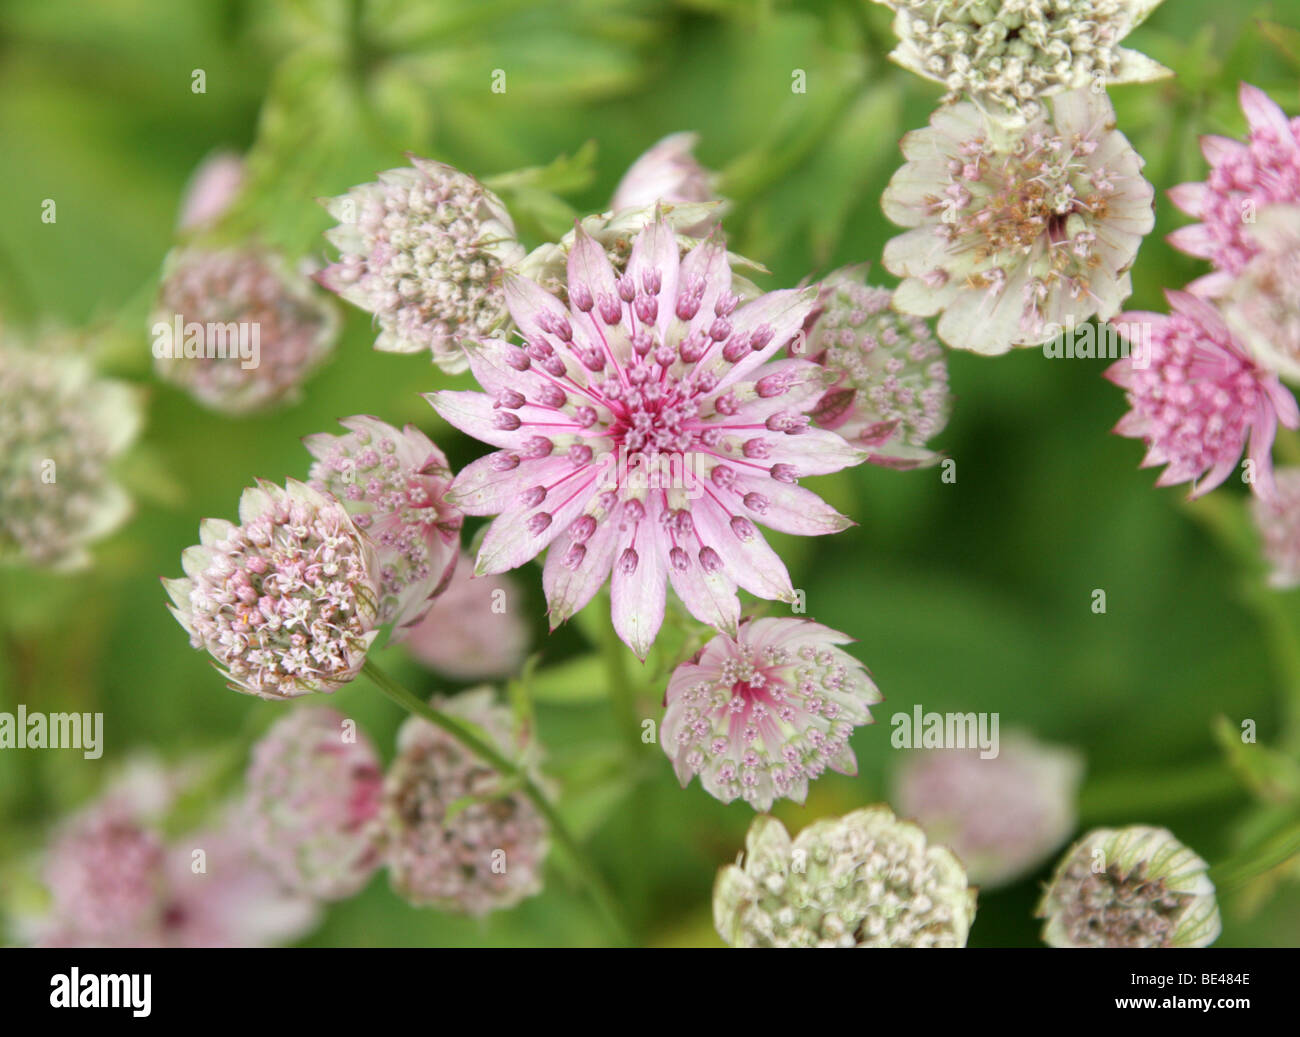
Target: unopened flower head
<point x="1262" y="306"/>
<point x="1277" y="519"/>
<point x="212" y="189"/>
<point x="1245" y="176"/>
<point x="474" y="629"/>
<point x="642" y="435"/>
<point x="286" y="602"/>
<point x="1199" y="399"/>
<point x="1003" y="816"/>
<point x="423" y="249"/>
<point x="1005" y="54"/>
<point x="669" y="172"/>
<point x="1015" y="236"/>
<point x="759" y="716"/>
<point x="891" y="394"/>
<point x="1130" y="887"/>
<point x="866" y="879"/>
<point x="61" y="428"/>
<point x="457" y="840"/>
<point x="238" y="329"/>
<point x="313" y="790"/>
<point x="393" y="483"/>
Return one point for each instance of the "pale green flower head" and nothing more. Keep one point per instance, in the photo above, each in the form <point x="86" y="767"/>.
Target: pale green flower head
<point x="1130" y="887"/>
<point x="866" y="879"/>
<point x="1006" y="54"/>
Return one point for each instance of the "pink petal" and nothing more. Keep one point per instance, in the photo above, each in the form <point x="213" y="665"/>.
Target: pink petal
<point x="638" y="597"/>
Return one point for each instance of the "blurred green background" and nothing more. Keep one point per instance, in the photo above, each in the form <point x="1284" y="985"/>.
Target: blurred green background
<point x="973" y="596"/>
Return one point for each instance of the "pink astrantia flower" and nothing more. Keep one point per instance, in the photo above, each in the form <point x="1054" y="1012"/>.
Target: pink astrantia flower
<point x="1015" y="235"/>
<point x="473" y="630"/>
<point x="393" y="484"/>
<point x="758" y="716"/>
<point x="1278" y="521"/>
<point x="1197" y="397"/>
<point x="891" y="392"/>
<point x="1244" y="177"/>
<point x="286" y="601"/>
<point x="313" y="803"/>
<point x="1262" y="305"/>
<point x="669" y="172"/>
<point x="641" y="434"/>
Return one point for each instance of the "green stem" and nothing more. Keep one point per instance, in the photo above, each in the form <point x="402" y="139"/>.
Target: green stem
<point x="596" y="886"/>
<point x="622" y="692"/>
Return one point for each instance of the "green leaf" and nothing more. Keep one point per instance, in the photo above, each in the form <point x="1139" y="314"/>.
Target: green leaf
<point x="573" y="682"/>
<point x="1267" y="773"/>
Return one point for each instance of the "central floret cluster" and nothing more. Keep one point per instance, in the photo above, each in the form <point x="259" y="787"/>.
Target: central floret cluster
<point x="642" y="432"/>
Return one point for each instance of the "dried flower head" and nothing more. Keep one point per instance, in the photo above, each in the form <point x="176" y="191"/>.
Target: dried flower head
<point x="1262" y="306"/>
<point x="1130" y="887"/>
<point x="238" y="329"/>
<point x="865" y="879"/>
<point x="1006" y="54"/>
<point x="1277" y="518"/>
<point x="286" y="602"/>
<point x="1003" y="816"/>
<point x="1015" y="236"/>
<point x="1245" y="176"/>
<point x="891" y="392"/>
<point x="61" y="427"/>
<point x="669" y="172"/>
<point x="457" y="839"/>
<point x="313" y="790"/>
<point x="394" y="484"/>
<point x="473" y="630"/>
<point x="759" y="716"/>
<point x="642" y="434"/>
<point x="423" y="249"/>
<point x="1197" y="398"/>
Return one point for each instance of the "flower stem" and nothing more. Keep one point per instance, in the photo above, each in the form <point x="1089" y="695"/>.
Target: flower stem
<point x="595" y="884"/>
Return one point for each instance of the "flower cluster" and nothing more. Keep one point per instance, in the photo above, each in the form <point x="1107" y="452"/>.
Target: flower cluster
<point x="758" y="716"/>
<point x="393" y="483"/>
<point x="1277" y="519"/>
<point x="61" y="428"/>
<point x="473" y="630"/>
<point x="286" y="602"/>
<point x="668" y="172"/>
<point x="866" y="879"/>
<point x="1130" y="887"/>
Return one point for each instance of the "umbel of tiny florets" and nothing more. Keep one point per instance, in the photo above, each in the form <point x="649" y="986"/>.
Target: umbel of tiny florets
<point x="60" y="430"/>
<point x="1006" y="54"/>
<point x="1245" y="176"/>
<point x="866" y="879"/>
<point x="456" y="838"/>
<point x="423" y="249"/>
<point x="286" y="602"/>
<point x="759" y="716"/>
<point x="1262" y="306"/>
<point x="237" y="329"/>
<point x="891" y="394"/>
<point x="1016" y="235"/>
<point x="312" y="803"/>
<point x="393" y="483"/>
<point x="642" y="435"/>
<point x="1130" y="887"/>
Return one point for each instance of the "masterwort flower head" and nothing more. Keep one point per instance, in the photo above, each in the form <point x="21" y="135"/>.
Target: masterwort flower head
<point x="1006" y="54"/>
<point x="1003" y="816"/>
<point x="313" y="790"/>
<point x="1130" y="887"/>
<point x="760" y="715"/>
<point x="286" y="602"/>
<point x="473" y="630"/>
<point x="866" y="879"/>
<point x="1197" y="398"/>
<point x="1277" y="519"/>
<point x="1014" y="237"/>
<point x="891" y="390"/>
<point x="394" y="483"/>
<point x="1263" y="303"/>
<point x="1245" y="176"/>
<point x="669" y="172"/>
<point x="642" y="434"/>
<point x="456" y="839"/>
<point x="423" y="249"/>
<point x="238" y="329"/>
<point x="61" y="428"/>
